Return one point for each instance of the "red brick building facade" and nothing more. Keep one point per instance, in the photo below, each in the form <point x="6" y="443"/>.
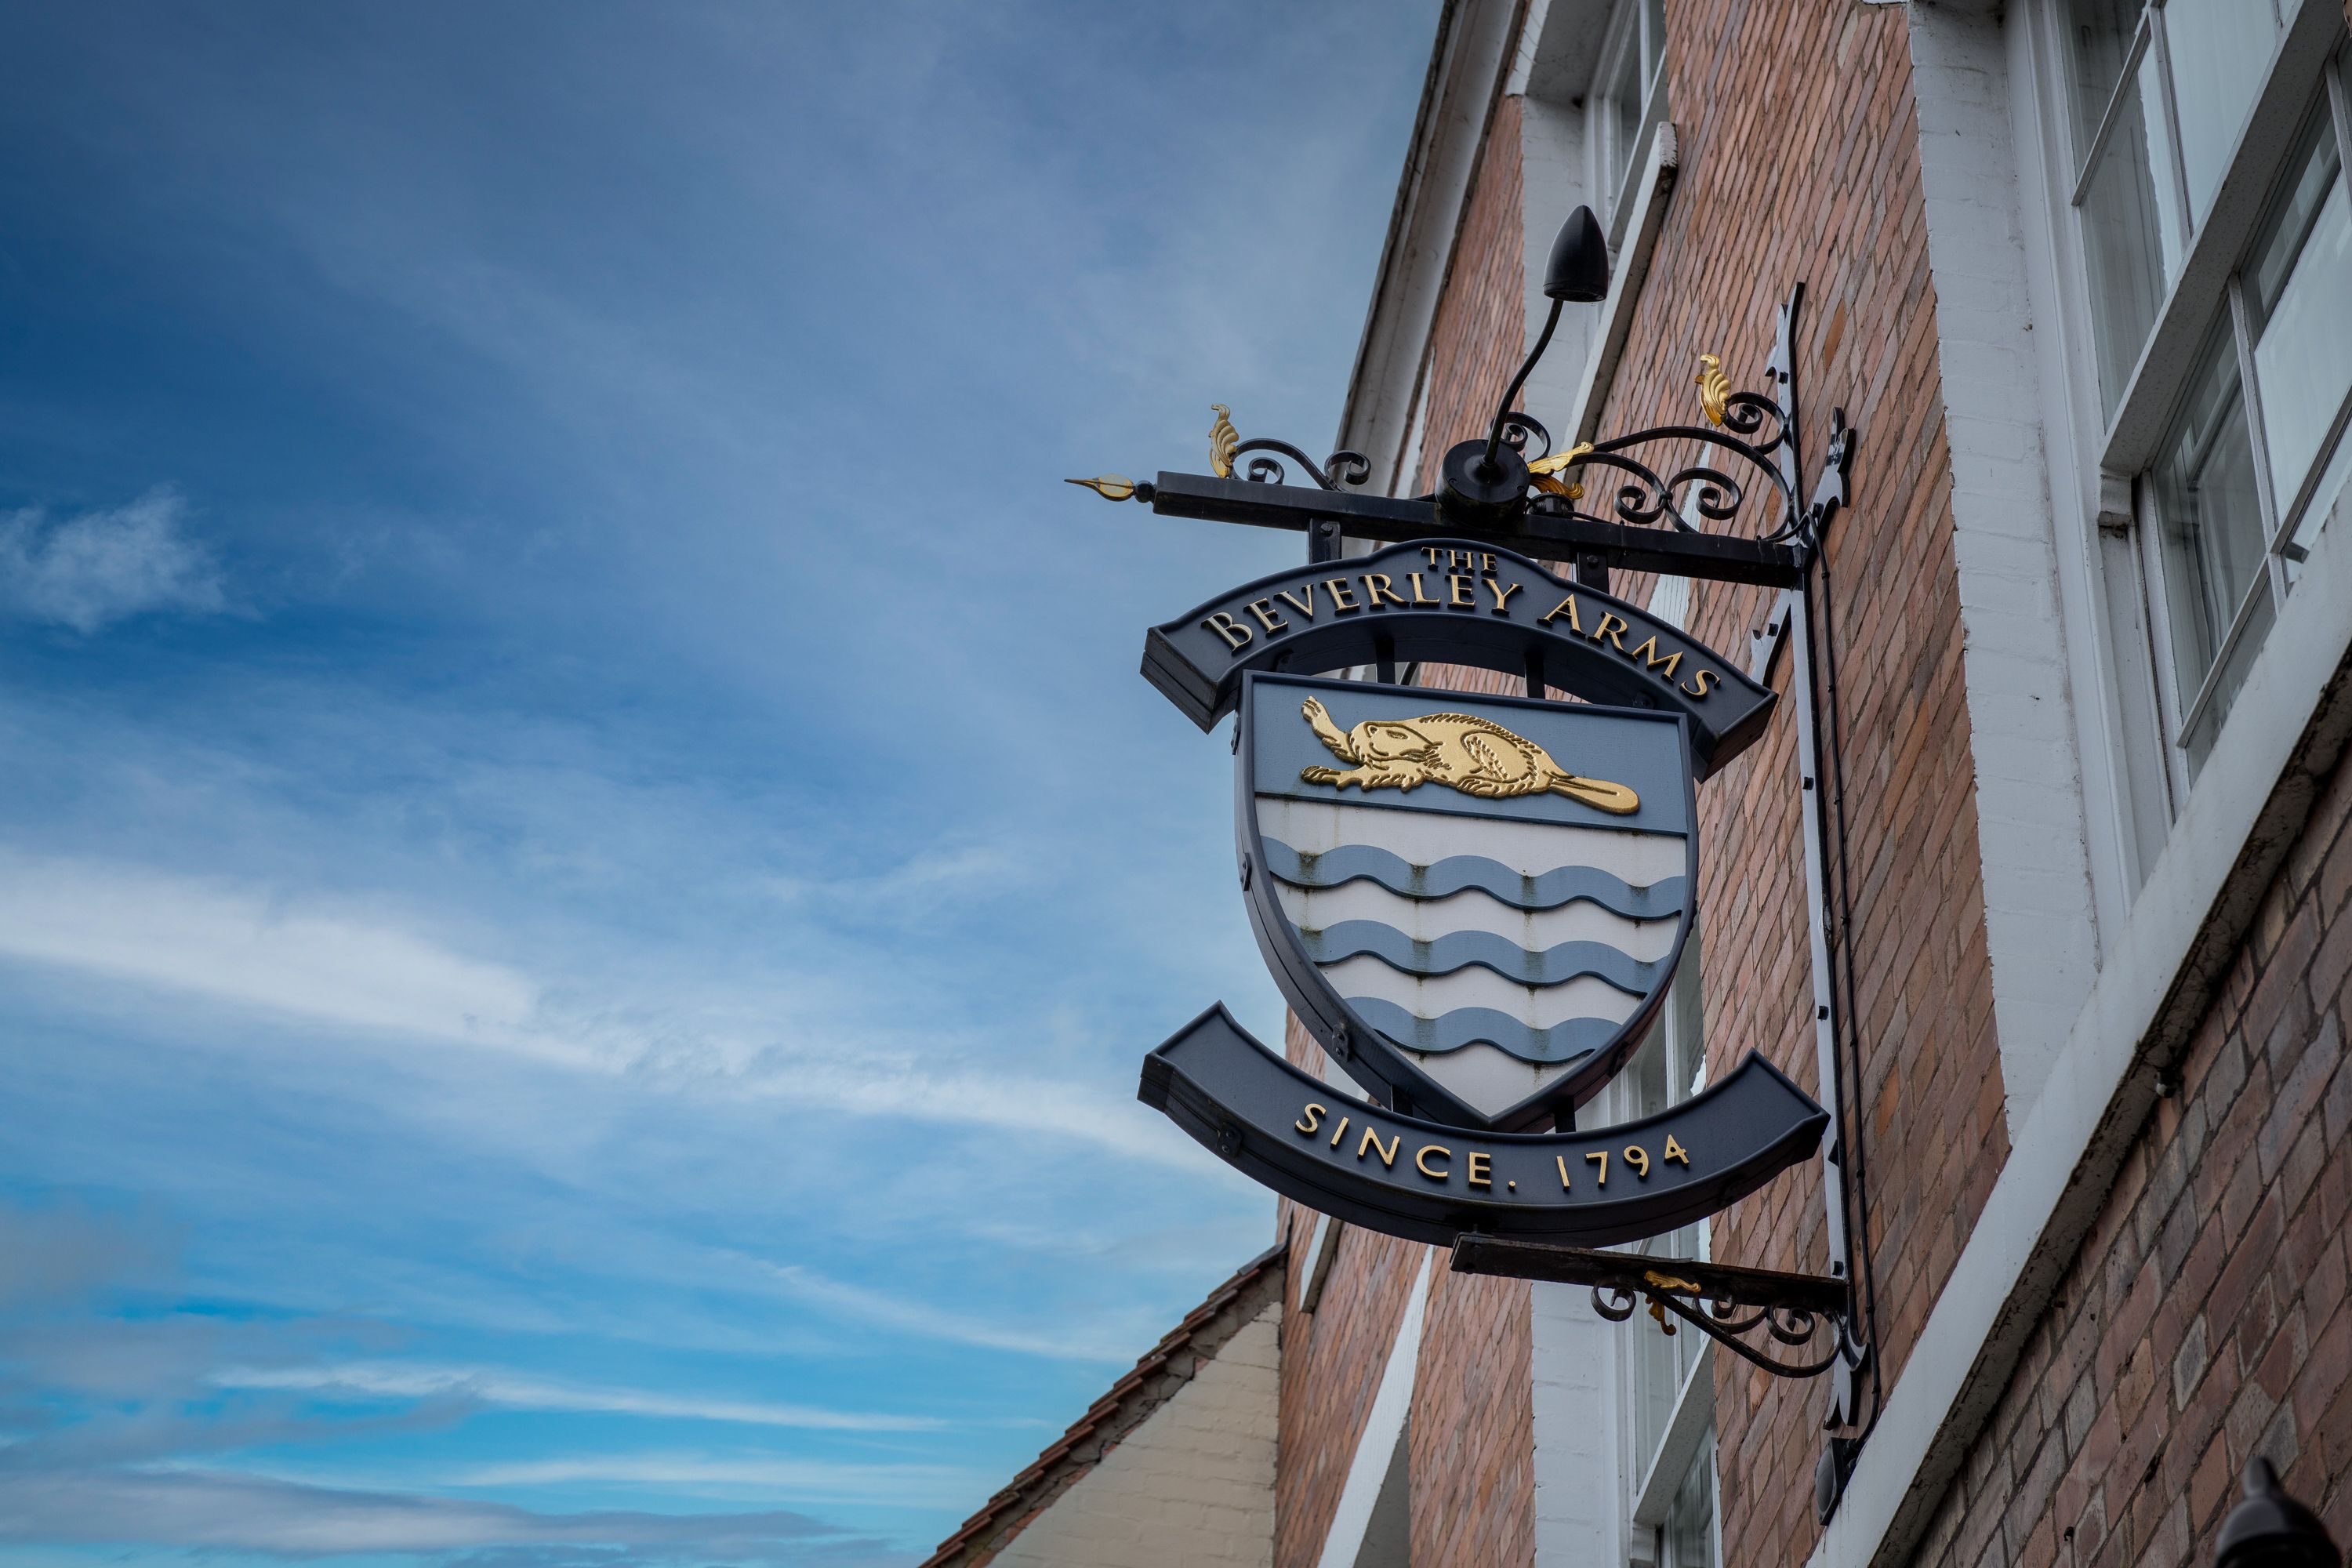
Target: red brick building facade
<point x="2092" y="811"/>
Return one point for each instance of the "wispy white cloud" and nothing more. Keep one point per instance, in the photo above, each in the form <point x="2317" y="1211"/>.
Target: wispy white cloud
<point x="93" y="568"/>
<point x="358" y="970"/>
<point x="872" y="1306"/>
<point x="490" y="1385"/>
<point x="801" y="1480"/>
<point x="187" y="1508"/>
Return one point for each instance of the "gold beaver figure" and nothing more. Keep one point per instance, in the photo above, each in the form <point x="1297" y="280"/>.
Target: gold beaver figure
<point x="1476" y="756"/>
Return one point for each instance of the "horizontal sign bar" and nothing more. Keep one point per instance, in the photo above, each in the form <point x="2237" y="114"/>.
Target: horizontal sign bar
<point x="1723" y="558"/>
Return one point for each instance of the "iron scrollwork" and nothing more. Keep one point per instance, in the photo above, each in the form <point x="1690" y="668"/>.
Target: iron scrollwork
<point x="1719" y="1315"/>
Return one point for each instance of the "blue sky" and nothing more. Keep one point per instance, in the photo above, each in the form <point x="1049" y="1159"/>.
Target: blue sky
<point x="585" y="868"/>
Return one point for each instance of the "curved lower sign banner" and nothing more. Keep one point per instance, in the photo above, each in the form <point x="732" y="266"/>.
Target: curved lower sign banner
<point x="1454" y="603"/>
<point x="1285" y="1129"/>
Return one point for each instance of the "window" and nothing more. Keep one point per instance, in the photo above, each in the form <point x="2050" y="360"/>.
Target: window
<point x="1666" y="1381"/>
<point x="1629" y="100"/>
<point x="2255" y="457"/>
<point x="2232" y="427"/>
<point x="2153" y="142"/>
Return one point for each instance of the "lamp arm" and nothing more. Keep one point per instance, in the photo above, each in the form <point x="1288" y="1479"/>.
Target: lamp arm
<point x="1543" y="341"/>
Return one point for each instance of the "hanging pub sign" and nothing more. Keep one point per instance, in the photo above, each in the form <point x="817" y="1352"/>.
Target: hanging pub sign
<point x="1474" y="903"/>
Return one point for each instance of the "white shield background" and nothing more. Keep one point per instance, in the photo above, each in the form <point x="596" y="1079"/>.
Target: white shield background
<point x="1506" y="951"/>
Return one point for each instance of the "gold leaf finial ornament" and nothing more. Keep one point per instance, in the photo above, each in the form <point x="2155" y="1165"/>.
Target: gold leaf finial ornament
<point x="1222" y="439"/>
<point x="1714" y="389"/>
<point x="1110" y="486"/>
<point x="1546" y="471"/>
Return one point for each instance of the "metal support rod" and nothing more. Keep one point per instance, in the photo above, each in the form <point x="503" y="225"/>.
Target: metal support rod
<point x="1826" y="1009"/>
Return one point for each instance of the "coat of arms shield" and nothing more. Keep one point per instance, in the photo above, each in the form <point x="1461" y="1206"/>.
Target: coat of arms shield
<point x="1475" y="903"/>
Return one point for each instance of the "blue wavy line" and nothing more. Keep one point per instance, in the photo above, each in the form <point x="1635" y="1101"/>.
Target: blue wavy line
<point x="1461" y="949"/>
<point x="1564" y="1042"/>
<point x="1351" y="862"/>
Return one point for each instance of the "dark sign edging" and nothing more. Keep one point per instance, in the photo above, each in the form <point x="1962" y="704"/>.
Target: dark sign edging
<point x="1287" y="1130"/>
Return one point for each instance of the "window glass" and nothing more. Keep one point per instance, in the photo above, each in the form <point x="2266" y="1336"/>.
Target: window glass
<point x="2221" y="51"/>
<point x="2129" y="244"/>
<point x="2207" y="723"/>
<point x="2209" y="516"/>
<point x="2099" y="38"/>
<point x="1690" y="1518"/>
<point x="1653" y="38"/>
<point x="2299" y="293"/>
<point x="1625" y="113"/>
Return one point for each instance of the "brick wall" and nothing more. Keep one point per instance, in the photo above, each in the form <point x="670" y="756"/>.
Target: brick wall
<point x="1799" y="163"/>
<point x="2203" y="1319"/>
<point x="1473" y="1440"/>
<point x="1332" y="1360"/>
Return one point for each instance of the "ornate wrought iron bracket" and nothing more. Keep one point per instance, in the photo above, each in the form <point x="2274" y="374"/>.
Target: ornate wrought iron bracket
<point x="1808" y="1314"/>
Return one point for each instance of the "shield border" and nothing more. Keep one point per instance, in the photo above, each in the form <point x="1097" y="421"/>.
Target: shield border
<point x="1363" y="1050"/>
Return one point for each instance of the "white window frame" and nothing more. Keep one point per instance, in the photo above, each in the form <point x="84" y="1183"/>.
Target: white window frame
<point x="1633" y="27"/>
<point x="2203" y="289"/>
<point x="1652" y="1477"/>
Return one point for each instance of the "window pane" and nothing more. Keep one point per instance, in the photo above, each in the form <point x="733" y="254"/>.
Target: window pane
<point x="2127" y="243"/>
<point x="1654" y="37"/>
<point x="1690" y="1518"/>
<point x="2209" y="516"/>
<point x="2300" y="290"/>
<point x="1624" y="114"/>
<point x="2099" y="36"/>
<point x="2221" y="51"/>
<point x="2200" y="740"/>
<point x="2323" y="502"/>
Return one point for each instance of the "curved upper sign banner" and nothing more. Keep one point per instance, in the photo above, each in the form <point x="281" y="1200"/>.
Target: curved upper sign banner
<point x="1451" y="601"/>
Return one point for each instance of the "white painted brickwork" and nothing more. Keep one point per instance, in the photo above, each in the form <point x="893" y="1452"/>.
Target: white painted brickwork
<point x="1579" y="1515"/>
<point x="1192" y="1485"/>
<point x="2039" y="929"/>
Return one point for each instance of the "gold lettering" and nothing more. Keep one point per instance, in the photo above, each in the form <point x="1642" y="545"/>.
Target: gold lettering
<point x="1224" y="625"/>
<point x="1604" y="1157"/>
<point x="1486" y="562"/>
<point x="1343" y="599"/>
<point x="1311" y="1120"/>
<point x="1372" y="1144"/>
<point x="1700" y="680"/>
<point x="1568" y="605"/>
<point x="1418" y="596"/>
<point x="1461" y="592"/>
<point x="1502" y="592"/>
<point x="1339" y="1132"/>
<point x="1561" y="1161"/>
<point x="1639" y="1158"/>
<point x="1648" y="654"/>
<point x="1307" y="609"/>
<point x="1481" y="1170"/>
<point x="1420" y="1160"/>
<point x="1264" y="610"/>
<point x="1611" y="624"/>
<point x="1379" y="585"/>
<point x="1429" y="554"/>
<point x="1460" y="558"/>
<point x="1674" y="1152"/>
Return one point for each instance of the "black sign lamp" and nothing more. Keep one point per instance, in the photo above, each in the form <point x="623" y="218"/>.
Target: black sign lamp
<point x="2270" y="1529"/>
<point x="1486" y="481"/>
